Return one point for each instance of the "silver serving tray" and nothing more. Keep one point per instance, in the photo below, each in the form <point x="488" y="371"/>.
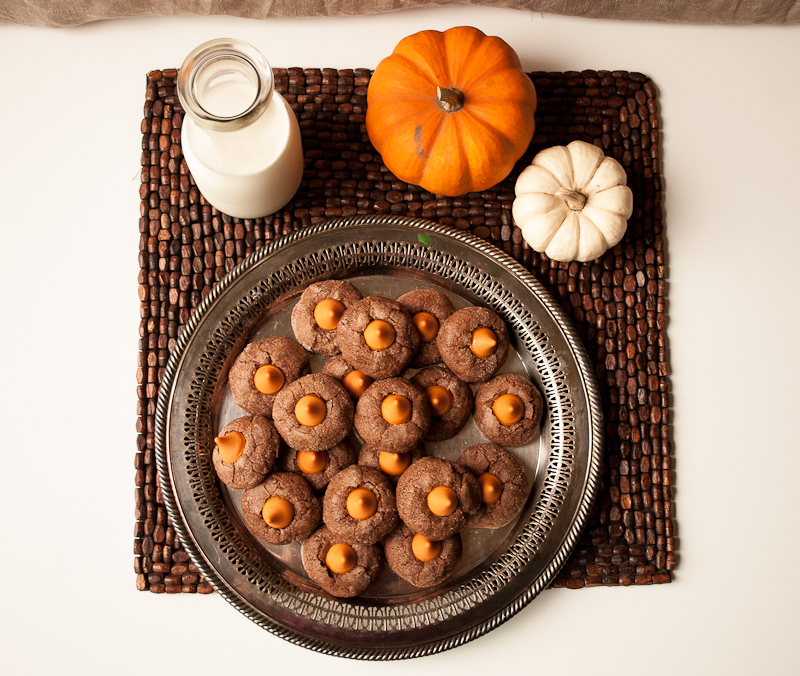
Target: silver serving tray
<point x="501" y="570"/>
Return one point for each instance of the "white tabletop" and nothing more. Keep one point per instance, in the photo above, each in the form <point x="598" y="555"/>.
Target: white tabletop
<point x="69" y="176"/>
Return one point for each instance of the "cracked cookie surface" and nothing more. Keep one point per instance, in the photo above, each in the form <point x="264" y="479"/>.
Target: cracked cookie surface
<point x="344" y="585"/>
<point x="375" y="429"/>
<point x="295" y="490"/>
<point x="335" y="512"/>
<point x="387" y="362"/>
<point x="436" y="304"/>
<point x="455" y="339"/>
<point x="284" y="353"/>
<point x="401" y="559"/>
<point x="339" y="413"/>
<point x="258" y="455"/>
<point x="339" y="457"/>
<point x="447" y="425"/>
<point x="310" y="334"/>
<point x="369" y="455"/>
<point x="520" y="432"/>
<point x="497" y="461"/>
<point x="419" y="480"/>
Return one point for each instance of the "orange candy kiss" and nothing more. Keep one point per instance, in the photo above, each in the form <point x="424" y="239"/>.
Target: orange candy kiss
<point x="424" y="549"/>
<point x="491" y="488"/>
<point x="442" y="501"/>
<point x="312" y="462"/>
<point x="327" y="313"/>
<point x="310" y="410"/>
<point x="483" y="343"/>
<point x="268" y="379"/>
<point x="378" y="335"/>
<point x="361" y="503"/>
<point x="427" y="326"/>
<point x="393" y="464"/>
<point x="277" y="512"/>
<point x="231" y="446"/>
<point x="508" y="409"/>
<point x="341" y="558"/>
<point x="356" y="383"/>
<point x="396" y="409"/>
<point x="440" y="399"/>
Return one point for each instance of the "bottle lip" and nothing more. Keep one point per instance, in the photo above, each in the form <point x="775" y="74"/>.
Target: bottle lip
<point x="224" y="48"/>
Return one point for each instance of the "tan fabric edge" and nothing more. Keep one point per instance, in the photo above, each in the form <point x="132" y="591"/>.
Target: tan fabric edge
<point x="65" y="13"/>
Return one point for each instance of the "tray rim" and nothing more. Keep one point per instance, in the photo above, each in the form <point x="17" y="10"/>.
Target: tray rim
<point x="588" y="495"/>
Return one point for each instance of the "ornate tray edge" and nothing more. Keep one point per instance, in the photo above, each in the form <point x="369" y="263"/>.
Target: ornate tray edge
<point x="372" y="653"/>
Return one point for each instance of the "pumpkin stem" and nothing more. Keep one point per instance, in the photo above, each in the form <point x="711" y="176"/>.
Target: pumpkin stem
<point x="450" y="99"/>
<point x="573" y="198"/>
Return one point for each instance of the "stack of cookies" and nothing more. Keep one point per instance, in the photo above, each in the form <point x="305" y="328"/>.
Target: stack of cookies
<point x="294" y="458"/>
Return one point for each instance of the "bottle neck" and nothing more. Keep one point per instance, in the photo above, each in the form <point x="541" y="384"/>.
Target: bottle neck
<point x="225" y="85"/>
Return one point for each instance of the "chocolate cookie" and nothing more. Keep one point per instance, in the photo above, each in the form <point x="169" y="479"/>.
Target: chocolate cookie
<point x="353" y="380"/>
<point x="376" y="335"/>
<point x="428" y="309"/>
<point x="262" y="369"/>
<point x="501" y="478"/>
<point x="360" y="563"/>
<point x="508" y="410"/>
<point x="281" y="509"/>
<point x="318" y="467"/>
<point x="435" y="497"/>
<point x="335" y="296"/>
<point x="389" y="461"/>
<point x="450" y="401"/>
<point x="359" y="505"/>
<point x="473" y="343"/>
<point x="245" y="452"/>
<point x="393" y="413"/>
<point x="325" y="407"/>
<point x="437" y="562"/>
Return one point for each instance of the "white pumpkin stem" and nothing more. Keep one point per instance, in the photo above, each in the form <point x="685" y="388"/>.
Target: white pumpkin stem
<point x="573" y="198"/>
<point x="450" y="99"/>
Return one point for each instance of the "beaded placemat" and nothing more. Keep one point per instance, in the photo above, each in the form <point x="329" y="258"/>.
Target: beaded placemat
<point x="617" y="303"/>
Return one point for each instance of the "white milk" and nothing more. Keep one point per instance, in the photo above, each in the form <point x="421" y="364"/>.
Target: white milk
<point x="252" y="170"/>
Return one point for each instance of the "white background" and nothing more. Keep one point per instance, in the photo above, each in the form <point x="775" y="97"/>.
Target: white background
<point x="70" y="108"/>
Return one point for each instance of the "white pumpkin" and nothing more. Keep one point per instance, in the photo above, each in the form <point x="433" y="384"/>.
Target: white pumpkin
<point x="572" y="202"/>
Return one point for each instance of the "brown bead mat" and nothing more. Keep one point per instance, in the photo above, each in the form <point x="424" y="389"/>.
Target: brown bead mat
<point x="617" y="303"/>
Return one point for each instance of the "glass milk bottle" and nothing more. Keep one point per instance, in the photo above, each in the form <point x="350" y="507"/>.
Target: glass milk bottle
<point x="240" y="139"/>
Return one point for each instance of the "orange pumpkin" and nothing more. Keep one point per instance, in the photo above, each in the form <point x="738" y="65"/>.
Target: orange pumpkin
<point x="452" y="111"/>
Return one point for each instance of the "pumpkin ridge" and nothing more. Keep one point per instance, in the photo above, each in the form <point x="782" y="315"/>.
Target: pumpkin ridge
<point x="608" y="174"/>
<point x="582" y="152"/>
<point x="413" y="169"/>
<point x="478" y="113"/>
<point x="491" y="57"/>
<point x="493" y="157"/>
<point x="420" y="141"/>
<point x="528" y="174"/>
<point x="391" y="131"/>
<point x="613" y="226"/>
<point x="592" y="223"/>
<point x="425" y="51"/>
<point x="487" y="167"/>
<point x="400" y="84"/>
<point x="459" y="46"/>
<point x="566" y="239"/>
<point x="502" y="91"/>
<point x="448" y="137"/>
<point x="602" y="197"/>
<point x="560" y="153"/>
<point x="549" y="219"/>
